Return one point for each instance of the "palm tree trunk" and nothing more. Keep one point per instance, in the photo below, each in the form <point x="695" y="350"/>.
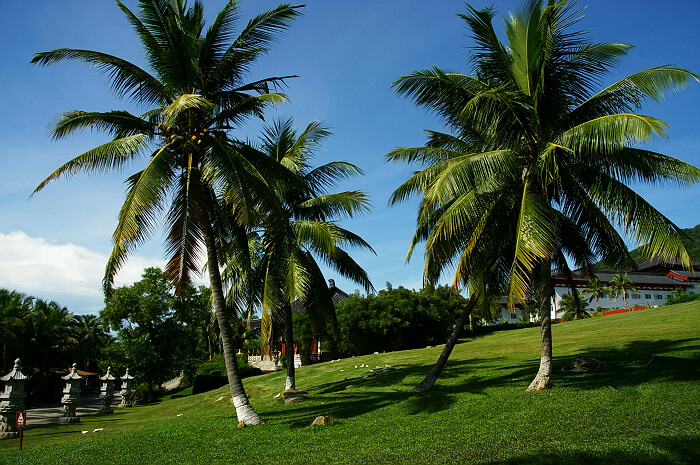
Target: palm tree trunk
<point x="289" y="346"/>
<point x="244" y="411"/>
<point x="544" y="373"/>
<point x="429" y="380"/>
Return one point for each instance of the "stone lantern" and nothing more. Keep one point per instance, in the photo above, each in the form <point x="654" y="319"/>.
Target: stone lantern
<point x="71" y="396"/>
<point x="11" y="401"/>
<point x="106" y="393"/>
<point x="125" y="393"/>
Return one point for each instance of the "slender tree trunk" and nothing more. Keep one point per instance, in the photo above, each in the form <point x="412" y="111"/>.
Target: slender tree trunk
<point x="429" y="380"/>
<point x="244" y="411"/>
<point x="544" y="373"/>
<point x="289" y="346"/>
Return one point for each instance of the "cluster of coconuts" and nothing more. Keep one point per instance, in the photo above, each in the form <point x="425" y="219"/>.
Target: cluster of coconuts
<point x="169" y="134"/>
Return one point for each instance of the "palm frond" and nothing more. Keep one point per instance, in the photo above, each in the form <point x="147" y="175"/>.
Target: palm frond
<point x="127" y="79"/>
<point x="112" y="155"/>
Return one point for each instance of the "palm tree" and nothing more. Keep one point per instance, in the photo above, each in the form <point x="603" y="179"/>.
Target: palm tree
<point x="621" y="284"/>
<point x="92" y="335"/>
<point x="51" y="334"/>
<point x="597" y="290"/>
<point x="537" y="143"/>
<point x="574" y="306"/>
<point x="194" y="95"/>
<point x="291" y="274"/>
<point x="14" y="309"/>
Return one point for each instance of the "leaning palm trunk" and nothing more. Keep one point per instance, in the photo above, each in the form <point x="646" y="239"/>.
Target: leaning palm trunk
<point x="244" y="411"/>
<point x="289" y="346"/>
<point x="429" y="380"/>
<point x="544" y="373"/>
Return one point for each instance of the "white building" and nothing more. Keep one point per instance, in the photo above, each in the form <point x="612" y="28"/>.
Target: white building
<point x="655" y="281"/>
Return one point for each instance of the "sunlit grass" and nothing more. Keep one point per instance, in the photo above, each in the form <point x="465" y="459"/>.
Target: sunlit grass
<point x="643" y="408"/>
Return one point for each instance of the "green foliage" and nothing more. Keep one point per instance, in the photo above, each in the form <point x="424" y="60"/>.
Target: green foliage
<point x="151" y="341"/>
<point x="690" y="238"/>
<point x="397" y="319"/>
<point x="621" y="284"/>
<point x="681" y="295"/>
<point x="217" y="366"/>
<point x="574" y="306"/>
<point x="46" y="335"/>
<point x="304" y="334"/>
<point x="304" y="231"/>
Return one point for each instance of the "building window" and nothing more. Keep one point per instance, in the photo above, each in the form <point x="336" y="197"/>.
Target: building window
<point x="634" y="296"/>
<point x="669" y="296"/>
<point x="647" y="296"/>
<point x="658" y="296"/>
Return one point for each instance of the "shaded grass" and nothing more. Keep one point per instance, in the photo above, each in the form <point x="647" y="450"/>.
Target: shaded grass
<point x="643" y="408"/>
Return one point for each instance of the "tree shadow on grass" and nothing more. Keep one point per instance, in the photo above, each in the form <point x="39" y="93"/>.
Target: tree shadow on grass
<point x="630" y="365"/>
<point x="357" y="396"/>
<point x="672" y="450"/>
<point x="636" y="363"/>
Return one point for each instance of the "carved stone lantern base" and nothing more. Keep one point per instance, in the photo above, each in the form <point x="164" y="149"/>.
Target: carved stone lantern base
<point x="69" y="415"/>
<point x="105" y="408"/>
<point x="8" y="430"/>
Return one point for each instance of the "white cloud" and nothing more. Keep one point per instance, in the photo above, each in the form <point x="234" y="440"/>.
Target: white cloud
<point x="68" y="273"/>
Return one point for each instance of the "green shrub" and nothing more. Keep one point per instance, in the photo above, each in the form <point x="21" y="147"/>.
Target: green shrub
<point x="204" y="383"/>
<point x="682" y="296"/>
<point x="397" y="319"/>
<point x="212" y="373"/>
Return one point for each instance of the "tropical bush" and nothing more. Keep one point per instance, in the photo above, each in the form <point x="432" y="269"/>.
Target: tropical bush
<point x="681" y="296"/>
<point x="397" y="319"/>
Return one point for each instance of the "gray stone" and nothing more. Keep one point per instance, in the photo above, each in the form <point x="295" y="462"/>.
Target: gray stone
<point x="71" y="396"/>
<point x="12" y="401"/>
<point x="106" y="393"/>
<point x="583" y="364"/>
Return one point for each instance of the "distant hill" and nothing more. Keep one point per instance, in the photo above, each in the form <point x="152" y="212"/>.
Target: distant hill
<point x="692" y="243"/>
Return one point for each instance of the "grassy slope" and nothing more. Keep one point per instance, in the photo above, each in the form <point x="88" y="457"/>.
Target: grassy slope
<point x="646" y="411"/>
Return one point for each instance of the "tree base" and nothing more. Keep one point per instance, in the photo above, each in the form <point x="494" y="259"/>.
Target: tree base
<point x="425" y="385"/>
<point x="539" y="383"/>
<point x="245" y="412"/>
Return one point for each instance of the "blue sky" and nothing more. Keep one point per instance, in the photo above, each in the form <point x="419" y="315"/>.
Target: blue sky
<point x="346" y="54"/>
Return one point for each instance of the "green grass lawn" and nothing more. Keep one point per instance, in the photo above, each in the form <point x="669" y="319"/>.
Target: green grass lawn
<point x="643" y="408"/>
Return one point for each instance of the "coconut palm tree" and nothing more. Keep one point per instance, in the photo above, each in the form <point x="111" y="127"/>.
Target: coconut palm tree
<point x="597" y="290"/>
<point x="92" y="335"/>
<point x="194" y="94"/>
<point x="536" y="140"/>
<point x="574" y="306"/>
<point x="290" y="252"/>
<point x="621" y="284"/>
<point x="14" y="309"/>
<point x="51" y="335"/>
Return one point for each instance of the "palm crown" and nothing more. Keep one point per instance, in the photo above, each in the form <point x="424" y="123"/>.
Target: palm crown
<point x="195" y="94"/>
<point x="310" y="232"/>
<point x="538" y="145"/>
